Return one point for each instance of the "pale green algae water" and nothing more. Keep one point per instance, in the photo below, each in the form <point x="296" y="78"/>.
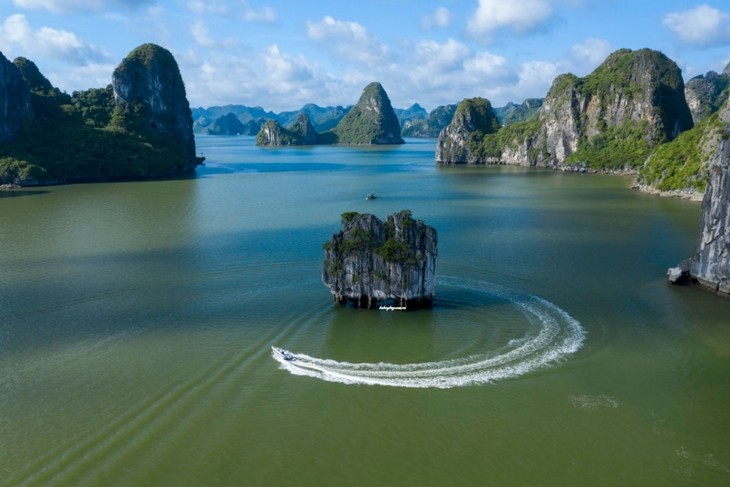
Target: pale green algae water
<point x="136" y="321"/>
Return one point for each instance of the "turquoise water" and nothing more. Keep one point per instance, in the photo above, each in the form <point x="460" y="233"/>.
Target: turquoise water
<point x="136" y="321"/>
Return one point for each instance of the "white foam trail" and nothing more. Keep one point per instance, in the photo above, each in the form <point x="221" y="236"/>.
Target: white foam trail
<point x="558" y="335"/>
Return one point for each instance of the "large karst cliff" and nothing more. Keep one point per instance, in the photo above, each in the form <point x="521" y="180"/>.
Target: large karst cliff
<point x="711" y="265"/>
<point x="15" y="104"/>
<point x="473" y="119"/>
<point x="370" y="262"/>
<point x="149" y="90"/>
<point x="371" y="121"/>
<point x="140" y="126"/>
<point x="608" y="120"/>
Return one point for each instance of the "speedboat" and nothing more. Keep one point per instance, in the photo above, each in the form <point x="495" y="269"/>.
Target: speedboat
<point x="371" y="196"/>
<point x="280" y="352"/>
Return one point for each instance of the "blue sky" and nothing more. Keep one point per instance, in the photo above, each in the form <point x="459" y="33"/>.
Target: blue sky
<point x="283" y="54"/>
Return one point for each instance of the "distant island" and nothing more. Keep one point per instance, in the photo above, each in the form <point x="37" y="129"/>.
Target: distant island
<point x="138" y="127"/>
<point x="371" y="263"/>
<point x="415" y="121"/>
<point x="371" y="121"/>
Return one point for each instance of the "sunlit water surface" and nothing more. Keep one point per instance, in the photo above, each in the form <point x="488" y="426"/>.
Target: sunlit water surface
<point x="137" y="320"/>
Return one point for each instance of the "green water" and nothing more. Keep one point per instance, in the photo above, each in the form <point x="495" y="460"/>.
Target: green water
<point x="136" y="321"/>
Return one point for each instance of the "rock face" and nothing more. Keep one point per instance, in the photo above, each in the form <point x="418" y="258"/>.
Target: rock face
<point x="371" y="263"/>
<point x="228" y="124"/>
<point x="711" y="266"/>
<point x="474" y="118"/>
<point x="635" y="99"/>
<point x="371" y="121"/>
<point x="705" y="94"/>
<point x="15" y="101"/>
<point x="439" y="118"/>
<point x="149" y="91"/>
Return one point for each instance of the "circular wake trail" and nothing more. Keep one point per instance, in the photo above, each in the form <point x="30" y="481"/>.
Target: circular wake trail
<point x="552" y="335"/>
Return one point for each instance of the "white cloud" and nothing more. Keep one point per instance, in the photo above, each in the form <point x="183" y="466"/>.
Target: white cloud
<point x="201" y="34"/>
<point x="93" y="75"/>
<point x="223" y="8"/>
<point x="264" y="14"/>
<point x="441" y="18"/>
<point x="16" y="34"/>
<point x="591" y="52"/>
<point x="438" y="58"/>
<point x="349" y="41"/>
<point x="701" y="26"/>
<point x="270" y="77"/>
<point x="200" y="7"/>
<point x="520" y="16"/>
<point x="64" y="6"/>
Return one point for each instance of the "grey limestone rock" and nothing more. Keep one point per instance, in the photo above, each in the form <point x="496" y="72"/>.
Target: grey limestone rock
<point x="711" y="265"/>
<point x="149" y="91"/>
<point x="473" y="119"/>
<point x="707" y="93"/>
<point x="372" y="263"/>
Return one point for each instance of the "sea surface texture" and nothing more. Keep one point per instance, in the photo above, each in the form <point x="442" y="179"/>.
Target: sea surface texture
<point x="137" y="320"/>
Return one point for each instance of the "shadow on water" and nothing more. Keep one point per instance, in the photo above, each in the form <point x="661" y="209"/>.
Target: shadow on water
<point x="13" y="193"/>
<point x="218" y="281"/>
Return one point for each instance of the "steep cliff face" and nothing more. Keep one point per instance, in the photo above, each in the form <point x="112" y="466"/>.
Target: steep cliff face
<point x="370" y="262"/>
<point x="15" y="102"/>
<point x="608" y="120"/>
<point x="150" y="95"/>
<point x="711" y="265"/>
<point x="371" y="121"/>
<point x="705" y="94"/>
<point x="473" y="119"/>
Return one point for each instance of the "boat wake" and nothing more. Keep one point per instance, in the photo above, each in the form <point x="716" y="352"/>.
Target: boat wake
<point x="551" y="335"/>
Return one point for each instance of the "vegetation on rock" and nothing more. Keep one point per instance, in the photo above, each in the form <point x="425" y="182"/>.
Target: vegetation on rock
<point x="371" y="121"/>
<point x="91" y="136"/>
<point x="369" y="262"/>
<point x="707" y="93"/>
<point x="611" y="120"/>
<point x="461" y="141"/>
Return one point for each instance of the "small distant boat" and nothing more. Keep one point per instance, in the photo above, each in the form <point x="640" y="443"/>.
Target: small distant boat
<point x="280" y="352"/>
<point x="371" y="196"/>
<point x="393" y="308"/>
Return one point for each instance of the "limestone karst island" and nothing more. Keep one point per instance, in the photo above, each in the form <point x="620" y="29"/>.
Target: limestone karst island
<point x="138" y="127"/>
<point x="390" y="264"/>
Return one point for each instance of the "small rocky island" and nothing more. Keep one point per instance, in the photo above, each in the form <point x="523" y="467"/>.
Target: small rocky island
<point x="370" y="263"/>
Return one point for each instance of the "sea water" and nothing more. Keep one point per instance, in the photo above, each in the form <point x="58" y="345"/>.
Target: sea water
<point x="137" y="320"/>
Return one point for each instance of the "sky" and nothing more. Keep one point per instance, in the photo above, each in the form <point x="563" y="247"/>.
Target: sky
<point x="282" y="54"/>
